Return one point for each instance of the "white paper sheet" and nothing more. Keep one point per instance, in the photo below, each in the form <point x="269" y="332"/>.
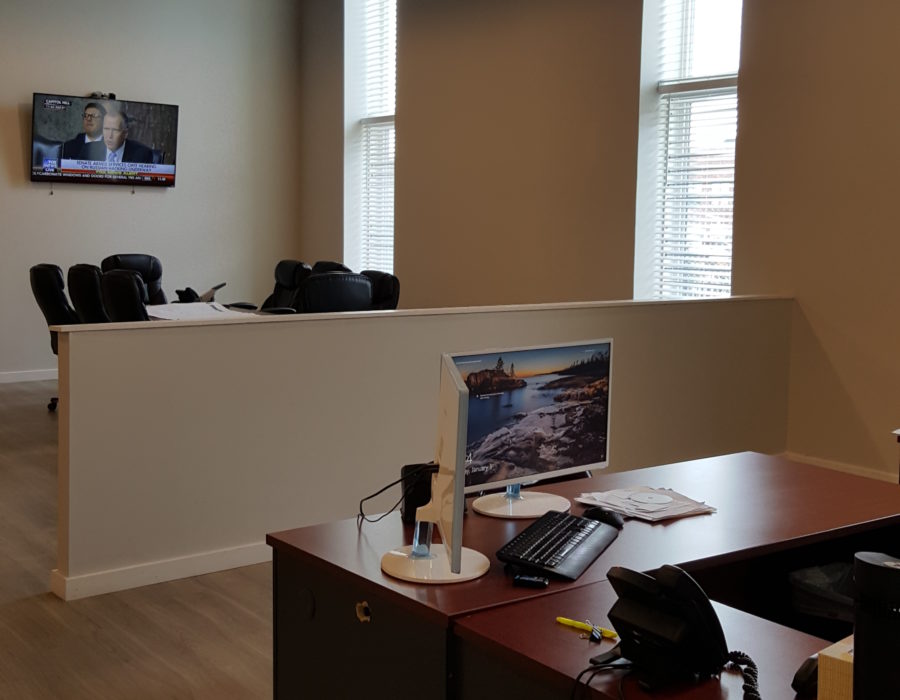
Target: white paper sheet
<point x="197" y="311"/>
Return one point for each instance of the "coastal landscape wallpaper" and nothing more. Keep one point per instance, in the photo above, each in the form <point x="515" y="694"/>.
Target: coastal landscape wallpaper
<point x="535" y="411"/>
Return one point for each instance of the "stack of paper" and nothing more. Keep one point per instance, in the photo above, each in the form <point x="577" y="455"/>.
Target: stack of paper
<point x="194" y="311"/>
<point x="646" y="503"/>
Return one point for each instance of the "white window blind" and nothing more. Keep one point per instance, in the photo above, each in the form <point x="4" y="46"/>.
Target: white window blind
<point x="373" y="135"/>
<point x="697" y="112"/>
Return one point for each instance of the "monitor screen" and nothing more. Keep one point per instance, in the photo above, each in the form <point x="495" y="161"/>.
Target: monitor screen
<point x="535" y="413"/>
<point x="89" y="140"/>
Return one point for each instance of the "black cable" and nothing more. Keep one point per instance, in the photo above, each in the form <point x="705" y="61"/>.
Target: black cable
<point x="750" y="673"/>
<point x="594" y="669"/>
<point x="622" y="686"/>
<point x="361" y="517"/>
<point x="577" y="682"/>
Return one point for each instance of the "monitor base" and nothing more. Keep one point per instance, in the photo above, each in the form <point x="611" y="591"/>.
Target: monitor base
<point x="529" y="504"/>
<point x="434" y="568"/>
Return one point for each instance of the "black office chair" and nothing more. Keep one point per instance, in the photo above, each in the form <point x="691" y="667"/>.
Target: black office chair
<point x="86" y="293"/>
<point x="289" y="275"/>
<point x="385" y="289"/>
<point x="148" y="266"/>
<point x="327" y="292"/>
<point x="124" y="295"/>
<point x="333" y="286"/>
<point x="49" y="291"/>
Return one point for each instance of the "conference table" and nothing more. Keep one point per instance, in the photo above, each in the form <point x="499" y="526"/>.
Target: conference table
<point x="343" y="628"/>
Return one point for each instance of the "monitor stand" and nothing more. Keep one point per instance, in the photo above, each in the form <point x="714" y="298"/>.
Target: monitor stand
<point x="419" y="564"/>
<point x="513" y="503"/>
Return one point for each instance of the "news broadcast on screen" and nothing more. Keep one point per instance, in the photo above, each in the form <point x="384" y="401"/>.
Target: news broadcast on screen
<point x="103" y="141"/>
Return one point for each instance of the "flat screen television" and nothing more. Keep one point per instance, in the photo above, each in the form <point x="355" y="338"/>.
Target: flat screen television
<point x="107" y="142"/>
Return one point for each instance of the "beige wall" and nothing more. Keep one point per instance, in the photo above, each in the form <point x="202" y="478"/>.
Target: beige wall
<point x="516" y="149"/>
<point x="478" y="221"/>
<point x="321" y="117"/>
<point x="816" y="213"/>
<point x="282" y="443"/>
<point x="232" y="67"/>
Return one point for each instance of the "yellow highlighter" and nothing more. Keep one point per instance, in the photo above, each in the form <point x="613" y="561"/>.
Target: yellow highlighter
<point x="596" y="631"/>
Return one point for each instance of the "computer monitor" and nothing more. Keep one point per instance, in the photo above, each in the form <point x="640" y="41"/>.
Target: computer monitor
<point x="451" y="562"/>
<point x="534" y="414"/>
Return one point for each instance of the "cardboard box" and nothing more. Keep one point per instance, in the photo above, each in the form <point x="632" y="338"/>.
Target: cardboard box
<point x="836" y="671"/>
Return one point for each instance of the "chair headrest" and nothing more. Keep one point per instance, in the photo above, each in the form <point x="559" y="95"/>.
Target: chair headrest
<point x="327" y="292"/>
<point x="290" y="273"/>
<point x="385" y="289"/>
<point x="86" y="293"/>
<point x="329" y="266"/>
<point x="148" y="266"/>
<point x="124" y="295"/>
<point x="49" y="292"/>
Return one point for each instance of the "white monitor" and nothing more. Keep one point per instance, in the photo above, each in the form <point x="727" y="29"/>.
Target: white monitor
<point x="534" y="413"/>
<point x="451" y="562"/>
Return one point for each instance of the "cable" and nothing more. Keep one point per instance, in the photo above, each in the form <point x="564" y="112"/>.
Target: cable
<point x="622" y="686"/>
<point x="593" y="670"/>
<point x="750" y="673"/>
<point x="361" y="517"/>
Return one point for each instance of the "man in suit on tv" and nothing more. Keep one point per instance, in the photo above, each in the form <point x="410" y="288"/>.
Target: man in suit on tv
<point x="92" y="121"/>
<point x="116" y="147"/>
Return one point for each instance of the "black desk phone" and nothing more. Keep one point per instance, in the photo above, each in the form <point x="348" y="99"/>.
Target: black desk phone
<point x="669" y="630"/>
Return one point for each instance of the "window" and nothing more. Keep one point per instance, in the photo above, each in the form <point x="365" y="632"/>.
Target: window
<point x="686" y="167"/>
<point x="370" y="89"/>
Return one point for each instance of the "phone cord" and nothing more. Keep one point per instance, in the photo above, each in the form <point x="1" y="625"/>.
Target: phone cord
<point x="749" y="671"/>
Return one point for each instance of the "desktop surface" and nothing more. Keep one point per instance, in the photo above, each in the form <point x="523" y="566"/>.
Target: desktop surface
<point x="764" y="504"/>
<point x="511" y="646"/>
<point x="334" y="606"/>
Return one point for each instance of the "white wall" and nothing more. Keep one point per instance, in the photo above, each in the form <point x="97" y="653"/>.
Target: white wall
<point x="174" y="464"/>
<point x="232" y="67"/>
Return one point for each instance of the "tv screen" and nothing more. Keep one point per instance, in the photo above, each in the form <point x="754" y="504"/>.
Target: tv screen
<point x="108" y="142"/>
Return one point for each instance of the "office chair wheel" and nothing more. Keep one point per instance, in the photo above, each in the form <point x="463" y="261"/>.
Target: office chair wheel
<point x="52" y="405"/>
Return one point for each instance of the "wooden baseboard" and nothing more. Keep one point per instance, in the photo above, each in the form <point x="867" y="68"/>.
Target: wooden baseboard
<point x="97" y="583"/>
<point x="28" y="375"/>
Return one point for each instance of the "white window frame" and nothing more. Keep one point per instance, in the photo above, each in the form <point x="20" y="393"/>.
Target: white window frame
<point x="369" y="134"/>
<point x="654" y="268"/>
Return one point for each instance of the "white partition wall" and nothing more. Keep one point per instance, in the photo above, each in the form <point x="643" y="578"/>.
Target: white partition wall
<point x="182" y="445"/>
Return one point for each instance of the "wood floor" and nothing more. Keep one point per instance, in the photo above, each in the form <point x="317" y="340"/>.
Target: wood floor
<point x="204" y="637"/>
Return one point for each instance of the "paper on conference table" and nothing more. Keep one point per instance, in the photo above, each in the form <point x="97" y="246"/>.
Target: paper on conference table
<point x="195" y="311"/>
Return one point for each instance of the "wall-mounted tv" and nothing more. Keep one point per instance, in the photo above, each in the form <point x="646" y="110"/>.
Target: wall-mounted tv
<point x="103" y="141"/>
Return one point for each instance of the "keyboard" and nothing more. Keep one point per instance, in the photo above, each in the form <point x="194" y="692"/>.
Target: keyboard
<point x="558" y="544"/>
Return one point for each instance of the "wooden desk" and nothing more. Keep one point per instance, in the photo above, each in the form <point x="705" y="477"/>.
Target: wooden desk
<point x="519" y="651"/>
<point x="769" y="509"/>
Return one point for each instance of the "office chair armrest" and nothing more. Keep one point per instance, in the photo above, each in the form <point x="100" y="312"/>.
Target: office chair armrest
<point x="278" y="310"/>
<point x="243" y="305"/>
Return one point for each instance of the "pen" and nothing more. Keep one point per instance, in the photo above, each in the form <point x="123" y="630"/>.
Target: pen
<point x="587" y="627"/>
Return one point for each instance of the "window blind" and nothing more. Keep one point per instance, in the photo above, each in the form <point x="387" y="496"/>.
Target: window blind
<point x="377" y="151"/>
<point x="698" y="60"/>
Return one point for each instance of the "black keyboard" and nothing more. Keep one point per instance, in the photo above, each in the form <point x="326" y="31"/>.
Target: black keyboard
<point x="558" y="544"/>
